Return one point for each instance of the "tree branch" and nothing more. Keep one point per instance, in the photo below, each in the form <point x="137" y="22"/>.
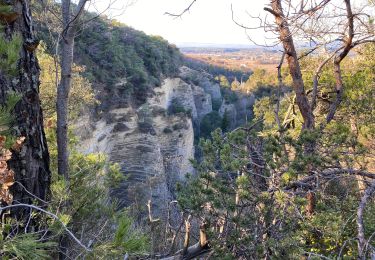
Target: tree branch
<point x="51" y="215"/>
<point x="183" y="12"/>
<point x="361" y="230"/>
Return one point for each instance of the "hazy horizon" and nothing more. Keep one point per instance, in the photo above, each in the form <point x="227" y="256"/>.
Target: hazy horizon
<point x="209" y="22"/>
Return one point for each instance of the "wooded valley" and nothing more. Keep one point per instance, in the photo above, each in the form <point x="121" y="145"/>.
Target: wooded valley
<point x="114" y="144"/>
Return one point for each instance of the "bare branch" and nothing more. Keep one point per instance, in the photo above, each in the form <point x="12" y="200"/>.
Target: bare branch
<point x="187" y="9"/>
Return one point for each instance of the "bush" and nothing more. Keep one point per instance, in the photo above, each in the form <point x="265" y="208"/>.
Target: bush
<point x="158" y="111"/>
<point x="175" y="107"/>
<point x="90" y="209"/>
<point x="209" y="123"/>
<point x="146" y="128"/>
<point x="179" y="126"/>
<point x="167" y="130"/>
<point x="229" y="96"/>
<point x="120" y="127"/>
<point x="216" y="104"/>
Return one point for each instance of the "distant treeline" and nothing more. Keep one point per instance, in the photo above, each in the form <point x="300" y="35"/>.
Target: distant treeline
<point x="230" y="74"/>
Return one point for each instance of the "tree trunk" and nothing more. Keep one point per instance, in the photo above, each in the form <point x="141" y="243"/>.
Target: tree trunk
<point x="70" y="23"/>
<point x="293" y="64"/>
<point x="31" y="164"/>
<point x="304" y="106"/>
<point x="67" y="48"/>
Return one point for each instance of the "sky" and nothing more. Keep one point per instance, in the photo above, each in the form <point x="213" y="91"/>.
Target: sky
<point x="208" y="21"/>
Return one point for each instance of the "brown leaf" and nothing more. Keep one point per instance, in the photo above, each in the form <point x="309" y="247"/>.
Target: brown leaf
<point x="2" y="141"/>
<point x="18" y="145"/>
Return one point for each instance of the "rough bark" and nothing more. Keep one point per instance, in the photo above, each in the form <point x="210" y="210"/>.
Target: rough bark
<point x="293" y="64"/>
<point x="31" y="164"/>
<point x="286" y="39"/>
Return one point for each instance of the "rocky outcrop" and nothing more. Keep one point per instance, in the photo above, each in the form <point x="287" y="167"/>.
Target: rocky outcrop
<point x="244" y="108"/>
<point x="203" y="102"/>
<point x="229" y="111"/>
<point x="152" y="147"/>
<point x="202" y="79"/>
<point x="154" y="143"/>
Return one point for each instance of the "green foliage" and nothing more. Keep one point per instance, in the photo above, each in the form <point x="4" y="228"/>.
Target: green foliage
<point x="229" y="95"/>
<point x="126" y="239"/>
<point x="10" y="54"/>
<point x="5" y="9"/>
<point x="6" y="114"/>
<point x="120" y="61"/>
<point x="209" y="123"/>
<point x="264" y="208"/>
<point x="223" y="81"/>
<point x="216" y="104"/>
<point x="118" y="51"/>
<point x="263" y="83"/>
<point x="81" y="94"/>
<point x="177" y="108"/>
<point x="130" y="242"/>
<point x="225" y="123"/>
<point x="7" y="118"/>
<point x="90" y="210"/>
<point x="222" y="75"/>
<point x="228" y="187"/>
<point x="25" y="247"/>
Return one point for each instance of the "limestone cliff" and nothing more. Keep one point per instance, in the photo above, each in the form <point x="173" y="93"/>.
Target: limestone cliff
<point x="153" y="143"/>
<point x="152" y="146"/>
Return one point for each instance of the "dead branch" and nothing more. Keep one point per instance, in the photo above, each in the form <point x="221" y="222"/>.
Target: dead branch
<point x="187" y="9"/>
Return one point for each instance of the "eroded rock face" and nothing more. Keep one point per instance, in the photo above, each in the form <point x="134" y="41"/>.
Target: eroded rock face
<point x="203" y="102"/>
<point x="203" y="80"/>
<point x="152" y="147"/>
<point x="243" y="107"/>
<point x="152" y="144"/>
<point x="229" y="110"/>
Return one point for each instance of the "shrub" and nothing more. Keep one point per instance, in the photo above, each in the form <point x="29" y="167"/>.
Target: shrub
<point x="209" y="123"/>
<point x="175" y="107"/>
<point x="179" y="126"/>
<point x="167" y="130"/>
<point x="146" y="128"/>
<point x="216" y="104"/>
<point x="120" y="127"/>
<point x="10" y="53"/>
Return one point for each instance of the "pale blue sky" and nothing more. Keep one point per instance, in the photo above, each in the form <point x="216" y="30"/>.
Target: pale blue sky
<point x="209" y="21"/>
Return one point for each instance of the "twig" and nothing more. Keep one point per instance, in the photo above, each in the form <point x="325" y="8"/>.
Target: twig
<point x="49" y="214"/>
<point x="183" y="12"/>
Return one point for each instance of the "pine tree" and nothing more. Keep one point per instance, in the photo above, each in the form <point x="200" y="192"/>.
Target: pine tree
<point x="19" y="72"/>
